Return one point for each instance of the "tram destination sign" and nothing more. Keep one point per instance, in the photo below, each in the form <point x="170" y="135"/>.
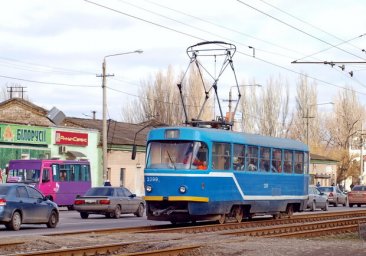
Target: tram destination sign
<point x="24" y="134"/>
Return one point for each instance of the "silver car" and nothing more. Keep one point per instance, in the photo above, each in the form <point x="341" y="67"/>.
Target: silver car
<point x="317" y="199"/>
<point x="109" y="201"/>
<point x="335" y="195"/>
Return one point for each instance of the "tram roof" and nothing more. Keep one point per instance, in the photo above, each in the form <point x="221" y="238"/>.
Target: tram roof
<point x="210" y="134"/>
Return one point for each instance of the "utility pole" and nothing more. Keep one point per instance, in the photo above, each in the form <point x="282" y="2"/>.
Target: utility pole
<point x="307" y="124"/>
<point x="104" y="125"/>
<point x="361" y="156"/>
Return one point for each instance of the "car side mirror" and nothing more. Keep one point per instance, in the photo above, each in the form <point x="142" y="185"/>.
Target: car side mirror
<point x="133" y="195"/>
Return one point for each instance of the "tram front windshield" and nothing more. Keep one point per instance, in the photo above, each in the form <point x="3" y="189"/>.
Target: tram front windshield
<point x="177" y="155"/>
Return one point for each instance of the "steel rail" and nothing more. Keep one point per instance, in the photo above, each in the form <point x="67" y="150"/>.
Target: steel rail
<point x="75" y="251"/>
<point x="167" y="251"/>
<point x="311" y="228"/>
<point x="300" y="219"/>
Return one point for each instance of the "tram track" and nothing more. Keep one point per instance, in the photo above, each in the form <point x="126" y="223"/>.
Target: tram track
<point x="108" y="250"/>
<point x="146" y="243"/>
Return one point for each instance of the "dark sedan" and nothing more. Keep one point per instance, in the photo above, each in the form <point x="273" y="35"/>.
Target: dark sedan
<point x="23" y="204"/>
<point x="109" y="201"/>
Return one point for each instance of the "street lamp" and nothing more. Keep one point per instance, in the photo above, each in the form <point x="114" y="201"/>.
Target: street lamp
<point x="231" y="100"/>
<point x="104" y="127"/>
<point x="307" y="118"/>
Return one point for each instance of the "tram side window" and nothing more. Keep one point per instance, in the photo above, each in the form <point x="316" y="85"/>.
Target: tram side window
<point x="299" y="162"/>
<point x="221" y="156"/>
<point x="264" y="159"/>
<point x="287" y="163"/>
<point x="251" y="158"/>
<point x="276" y="160"/>
<point x="239" y="153"/>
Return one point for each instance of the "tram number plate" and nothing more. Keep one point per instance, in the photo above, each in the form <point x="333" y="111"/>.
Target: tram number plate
<point x="152" y="179"/>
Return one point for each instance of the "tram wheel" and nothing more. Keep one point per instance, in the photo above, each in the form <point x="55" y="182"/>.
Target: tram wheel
<point x="290" y="211"/>
<point x="238" y="213"/>
<point x="222" y="218"/>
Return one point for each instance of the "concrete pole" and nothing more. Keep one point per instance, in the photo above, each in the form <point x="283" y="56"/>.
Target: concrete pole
<point x="104" y="126"/>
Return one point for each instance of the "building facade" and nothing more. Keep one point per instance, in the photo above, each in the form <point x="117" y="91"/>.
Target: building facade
<point x="323" y="170"/>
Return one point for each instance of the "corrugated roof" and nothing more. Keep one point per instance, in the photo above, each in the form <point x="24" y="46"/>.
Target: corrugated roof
<point x="119" y="133"/>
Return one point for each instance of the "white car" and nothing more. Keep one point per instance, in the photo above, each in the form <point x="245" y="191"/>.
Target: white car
<point x="335" y="195"/>
<point x="317" y="199"/>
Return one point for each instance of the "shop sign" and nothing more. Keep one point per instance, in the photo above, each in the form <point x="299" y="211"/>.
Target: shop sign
<point x="71" y="138"/>
<point x="24" y="134"/>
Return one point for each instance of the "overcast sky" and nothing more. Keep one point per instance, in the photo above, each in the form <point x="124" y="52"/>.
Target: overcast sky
<point x="56" y="48"/>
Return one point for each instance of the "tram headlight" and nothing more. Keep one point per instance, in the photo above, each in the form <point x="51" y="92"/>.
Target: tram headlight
<point x="148" y="188"/>
<point x="182" y="189"/>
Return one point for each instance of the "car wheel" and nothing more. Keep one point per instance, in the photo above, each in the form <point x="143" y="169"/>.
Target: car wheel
<point x="335" y="204"/>
<point x="140" y="211"/>
<point x="117" y="212"/>
<point x="53" y="220"/>
<point x="350" y="205"/>
<point x="358" y="205"/>
<point x="84" y="215"/>
<point x="15" y="222"/>
<point x="313" y="206"/>
<point x="326" y="206"/>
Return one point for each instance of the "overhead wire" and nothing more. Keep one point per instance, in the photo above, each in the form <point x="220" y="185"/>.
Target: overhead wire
<point x="297" y="29"/>
<point x="196" y="37"/>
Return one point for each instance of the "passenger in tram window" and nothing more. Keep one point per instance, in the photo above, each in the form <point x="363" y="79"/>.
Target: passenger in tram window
<point x="240" y="164"/>
<point x="252" y="166"/>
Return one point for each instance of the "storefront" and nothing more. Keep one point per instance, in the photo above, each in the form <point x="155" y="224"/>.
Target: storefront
<point x="78" y="144"/>
<point x="23" y="142"/>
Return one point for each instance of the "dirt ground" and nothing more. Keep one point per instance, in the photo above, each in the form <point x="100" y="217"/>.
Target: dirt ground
<point x="211" y="244"/>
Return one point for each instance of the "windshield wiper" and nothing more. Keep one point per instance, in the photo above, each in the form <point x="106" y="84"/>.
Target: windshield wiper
<point x="171" y="160"/>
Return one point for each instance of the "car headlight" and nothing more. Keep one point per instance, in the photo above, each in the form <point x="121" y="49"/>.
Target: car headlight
<point x="182" y="189"/>
<point x="148" y="188"/>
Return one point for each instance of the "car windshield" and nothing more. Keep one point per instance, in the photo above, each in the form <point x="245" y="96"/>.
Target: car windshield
<point x="103" y="191"/>
<point x="4" y="190"/>
<point x="359" y="188"/>
<point x="326" y="189"/>
<point x="23" y="176"/>
<point x="177" y="155"/>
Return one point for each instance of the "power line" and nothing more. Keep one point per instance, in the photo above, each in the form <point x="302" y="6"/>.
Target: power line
<point x="311" y="25"/>
<point x="196" y="37"/>
<point x="297" y="29"/>
<point x="41" y="82"/>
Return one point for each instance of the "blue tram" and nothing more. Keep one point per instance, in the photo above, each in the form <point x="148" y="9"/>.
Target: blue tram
<point x="211" y="174"/>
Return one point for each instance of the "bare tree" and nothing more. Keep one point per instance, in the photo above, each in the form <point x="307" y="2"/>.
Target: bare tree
<point x="342" y="125"/>
<point x="249" y="108"/>
<point x="305" y="125"/>
<point x="346" y="119"/>
<point x="160" y="99"/>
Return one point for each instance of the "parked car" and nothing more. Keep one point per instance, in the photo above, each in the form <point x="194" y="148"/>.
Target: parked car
<point x="335" y="195"/>
<point x="23" y="204"/>
<point x="109" y="201"/>
<point x="317" y="199"/>
<point x="357" y="196"/>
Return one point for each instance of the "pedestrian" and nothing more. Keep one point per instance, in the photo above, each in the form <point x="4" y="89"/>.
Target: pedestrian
<point x="318" y="184"/>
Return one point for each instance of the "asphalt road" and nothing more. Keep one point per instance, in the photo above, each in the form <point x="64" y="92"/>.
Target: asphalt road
<point x="71" y="221"/>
